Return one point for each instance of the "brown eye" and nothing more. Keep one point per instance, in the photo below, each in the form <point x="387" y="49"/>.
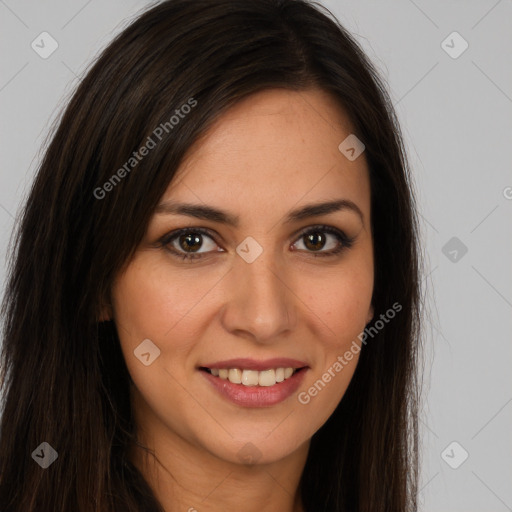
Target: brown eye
<point x="190" y="243"/>
<point x="318" y="238"/>
<point x="315" y="240"/>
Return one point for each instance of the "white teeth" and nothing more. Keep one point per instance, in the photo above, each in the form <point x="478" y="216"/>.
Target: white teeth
<point x="253" y="377"/>
<point x="267" y="378"/>
<point x="250" y="378"/>
<point x="235" y="376"/>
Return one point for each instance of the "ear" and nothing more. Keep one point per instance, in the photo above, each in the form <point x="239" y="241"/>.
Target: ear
<point x="106" y="313"/>
<point x="370" y="314"/>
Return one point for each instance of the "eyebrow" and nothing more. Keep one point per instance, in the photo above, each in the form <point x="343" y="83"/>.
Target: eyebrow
<point x="204" y="212"/>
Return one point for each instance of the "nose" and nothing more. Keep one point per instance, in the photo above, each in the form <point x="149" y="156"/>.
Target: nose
<point x="261" y="303"/>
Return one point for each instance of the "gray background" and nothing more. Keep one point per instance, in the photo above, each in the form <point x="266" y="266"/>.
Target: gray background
<point x="456" y="115"/>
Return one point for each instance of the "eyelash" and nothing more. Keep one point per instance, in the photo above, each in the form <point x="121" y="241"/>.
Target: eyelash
<point x="346" y="241"/>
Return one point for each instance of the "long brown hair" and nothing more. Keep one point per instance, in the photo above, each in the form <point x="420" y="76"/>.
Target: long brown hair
<point x="63" y="375"/>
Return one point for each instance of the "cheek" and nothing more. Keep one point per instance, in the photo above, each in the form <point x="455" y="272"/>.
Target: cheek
<point x="339" y="306"/>
<point x="340" y="302"/>
<point x="151" y="303"/>
<point x="341" y="311"/>
<point x="171" y="309"/>
<point x="324" y="389"/>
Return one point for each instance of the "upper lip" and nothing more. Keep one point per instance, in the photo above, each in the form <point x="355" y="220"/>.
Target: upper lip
<point x="253" y="364"/>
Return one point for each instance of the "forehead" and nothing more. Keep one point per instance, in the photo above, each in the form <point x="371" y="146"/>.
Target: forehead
<point x="271" y="152"/>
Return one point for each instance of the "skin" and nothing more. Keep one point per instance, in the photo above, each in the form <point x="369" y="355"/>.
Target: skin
<point x="287" y="303"/>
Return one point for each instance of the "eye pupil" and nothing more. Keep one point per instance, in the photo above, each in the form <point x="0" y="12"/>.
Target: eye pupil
<point x="190" y="241"/>
<point x="317" y="241"/>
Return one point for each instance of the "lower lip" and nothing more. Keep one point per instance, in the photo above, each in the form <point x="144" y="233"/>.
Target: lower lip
<point x="256" y="396"/>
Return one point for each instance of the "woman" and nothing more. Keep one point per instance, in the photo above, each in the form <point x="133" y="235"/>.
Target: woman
<point x="214" y="295"/>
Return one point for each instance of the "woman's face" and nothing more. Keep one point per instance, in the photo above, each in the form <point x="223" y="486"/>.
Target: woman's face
<point x="264" y="290"/>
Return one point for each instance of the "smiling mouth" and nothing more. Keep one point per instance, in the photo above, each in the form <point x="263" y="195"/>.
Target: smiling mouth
<point x="249" y="378"/>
